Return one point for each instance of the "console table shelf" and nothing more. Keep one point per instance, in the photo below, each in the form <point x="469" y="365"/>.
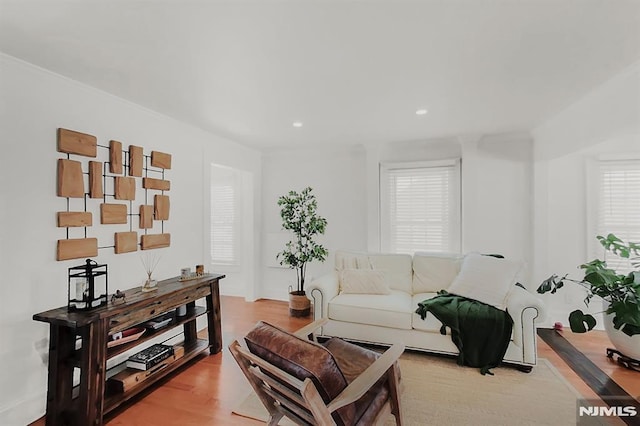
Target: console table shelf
<point x="176" y="321"/>
<point x="87" y="403"/>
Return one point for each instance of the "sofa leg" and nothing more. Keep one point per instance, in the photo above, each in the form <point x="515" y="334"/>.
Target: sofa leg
<point x="525" y="368"/>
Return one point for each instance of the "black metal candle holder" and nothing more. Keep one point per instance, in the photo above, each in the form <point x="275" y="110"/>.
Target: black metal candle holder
<point x="85" y="281"/>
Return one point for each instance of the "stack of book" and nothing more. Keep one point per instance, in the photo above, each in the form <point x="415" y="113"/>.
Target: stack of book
<point x="150" y="357"/>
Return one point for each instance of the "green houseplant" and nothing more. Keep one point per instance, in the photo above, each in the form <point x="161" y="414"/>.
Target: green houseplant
<point x="299" y="215"/>
<point x="621" y="292"/>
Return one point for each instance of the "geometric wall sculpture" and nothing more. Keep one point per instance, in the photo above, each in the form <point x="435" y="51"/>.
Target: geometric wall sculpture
<point x="125" y="188"/>
<point x="115" y="157"/>
<point x="135" y="161"/>
<point x="70" y="180"/>
<point x="72" y="142"/>
<point x="117" y="181"/>
<point x="126" y="242"/>
<point x="159" y="184"/>
<point x="77" y="248"/>
<point x="74" y="219"/>
<point x="160" y="159"/>
<point x="111" y="214"/>
<point x="146" y="217"/>
<point x="95" y="179"/>
<point x="161" y="207"/>
<point x="153" y="241"/>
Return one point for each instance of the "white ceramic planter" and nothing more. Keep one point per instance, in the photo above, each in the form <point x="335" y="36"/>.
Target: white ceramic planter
<point x="628" y="345"/>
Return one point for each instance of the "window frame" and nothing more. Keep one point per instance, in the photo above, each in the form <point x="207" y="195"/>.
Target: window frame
<point x="595" y="212"/>
<point x="235" y="178"/>
<point x="384" y="208"/>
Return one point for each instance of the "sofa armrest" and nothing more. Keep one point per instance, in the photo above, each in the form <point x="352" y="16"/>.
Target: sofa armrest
<point x="525" y="308"/>
<point x="322" y="290"/>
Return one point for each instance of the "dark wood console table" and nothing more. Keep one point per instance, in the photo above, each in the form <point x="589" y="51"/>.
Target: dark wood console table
<point x="79" y="340"/>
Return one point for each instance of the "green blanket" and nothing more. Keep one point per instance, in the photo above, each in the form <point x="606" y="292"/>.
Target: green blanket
<point x="480" y="332"/>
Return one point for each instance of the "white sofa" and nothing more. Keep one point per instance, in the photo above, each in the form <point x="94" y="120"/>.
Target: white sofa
<point x="389" y="318"/>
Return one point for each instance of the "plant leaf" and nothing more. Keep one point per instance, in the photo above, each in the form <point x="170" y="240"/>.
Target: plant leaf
<point x="581" y="322"/>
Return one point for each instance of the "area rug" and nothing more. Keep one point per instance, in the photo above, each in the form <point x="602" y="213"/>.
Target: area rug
<point x="439" y="392"/>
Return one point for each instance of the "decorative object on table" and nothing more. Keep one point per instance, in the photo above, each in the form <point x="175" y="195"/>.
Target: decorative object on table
<point x="149" y="357"/>
<point x="87" y="288"/>
<point x="181" y="310"/>
<point x="620" y="294"/>
<point x="150" y="262"/>
<point x="299" y="215"/>
<point x="125" y="336"/>
<point x="185" y="272"/>
<point x="159" y="322"/>
<point x="118" y="295"/>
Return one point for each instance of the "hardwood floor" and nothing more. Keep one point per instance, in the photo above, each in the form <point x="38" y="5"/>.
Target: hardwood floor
<point x="207" y="390"/>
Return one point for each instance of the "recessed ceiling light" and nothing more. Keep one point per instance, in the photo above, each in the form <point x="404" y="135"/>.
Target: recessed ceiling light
<point x="421" y="112"/>
<point x="297" y="124"/>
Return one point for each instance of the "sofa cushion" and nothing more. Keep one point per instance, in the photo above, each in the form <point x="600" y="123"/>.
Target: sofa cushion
<point x="433" y="272"/>
<point x="302" y="359"/>
<point x="430" y="323"/>
<point x="362" y="281"/>
<point x="397" y="270"/>
<point x="486" y="279"/>
<point x="351" y="260"/>
<point x="388" y="310"/>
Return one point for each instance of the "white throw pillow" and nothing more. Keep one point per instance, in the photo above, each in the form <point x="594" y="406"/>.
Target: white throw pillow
<point x="363" y="281"/>
<point x="349" y="260"/>
<point x="486" y="279"/>
<point x="433" y="272"/>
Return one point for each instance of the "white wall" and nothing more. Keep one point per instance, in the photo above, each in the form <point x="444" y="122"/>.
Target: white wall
<point x="496" y="196"/>
<point x="337" y="177"/>
<point x="496" y="189"/>
<point x="33" y="104"/>
<point x="604" y="122"/>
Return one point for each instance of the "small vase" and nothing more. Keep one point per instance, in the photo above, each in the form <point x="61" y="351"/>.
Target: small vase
<point x="150" y="285"/>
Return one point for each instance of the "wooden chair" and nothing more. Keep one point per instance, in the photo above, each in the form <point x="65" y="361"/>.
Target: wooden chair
<point x="336" y="383"/>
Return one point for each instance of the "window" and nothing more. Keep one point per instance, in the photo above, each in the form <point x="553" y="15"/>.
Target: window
<point x="618" y="206"/>
<point x="420" y="207"/>
<point x="225" y="215"/>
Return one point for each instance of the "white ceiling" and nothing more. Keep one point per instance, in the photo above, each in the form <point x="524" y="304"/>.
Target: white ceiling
<point x="351" y="71"/>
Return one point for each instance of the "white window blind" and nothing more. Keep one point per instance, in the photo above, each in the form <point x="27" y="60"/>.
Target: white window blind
<point x="420" y="207"/>
<point x="225" y="215"/>
<point x="618" y="201"/>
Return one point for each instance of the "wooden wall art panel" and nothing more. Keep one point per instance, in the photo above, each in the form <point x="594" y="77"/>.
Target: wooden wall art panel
<point x="115" y="157"/>
<point x="160" y="159"/>
<point x="125" y="188"/>
<point x="154" y="241"/>
<point x="113" y="214"/>
<point x="159" y="184"/>
<point x="126" y="242"/>
<point x="108" y="184"/>
<point x="161" y="207"/>
<point x="72" y="142"/>
<point x="95" y="179"/>
<point x="70" y="179"/>
<point x="146" y="217"/>
<point x="136" y="157"/>
<point x="77" y="248"/>
<point x="74" y="219"/>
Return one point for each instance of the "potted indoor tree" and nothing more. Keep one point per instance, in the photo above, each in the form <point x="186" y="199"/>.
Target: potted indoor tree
<point x="299" y="215"/>
<point x="620" y="293"/>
